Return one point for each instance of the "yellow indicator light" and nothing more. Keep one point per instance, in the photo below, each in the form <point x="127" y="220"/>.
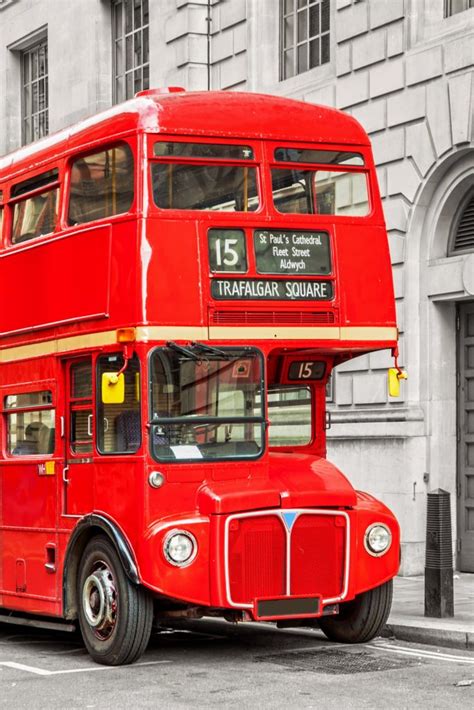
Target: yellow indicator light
<point x="113" y="388"/>
<point x="394" y="377"/>
<point x="50" y="468"/>
<point x="126" y="335"/>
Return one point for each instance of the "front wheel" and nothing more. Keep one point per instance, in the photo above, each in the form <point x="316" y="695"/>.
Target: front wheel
<point x="115" y="616"/>
<point x="360" y="619"/>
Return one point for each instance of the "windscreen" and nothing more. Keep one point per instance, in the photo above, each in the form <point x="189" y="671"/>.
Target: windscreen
<point x="206" y="403"/>
<point x="200" y="176"/>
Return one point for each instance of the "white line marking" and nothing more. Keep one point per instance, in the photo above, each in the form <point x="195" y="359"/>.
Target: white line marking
<point x="41" y="671"/>
<point x="22" y="667"/>
<point x="423" y="654"/>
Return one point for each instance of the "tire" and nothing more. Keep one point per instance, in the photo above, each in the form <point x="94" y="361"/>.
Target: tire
<point x="115" y="616"/>
<point x="362" y="619"/>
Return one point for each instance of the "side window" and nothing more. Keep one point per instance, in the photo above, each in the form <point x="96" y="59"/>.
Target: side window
<point x="119" y="425"/>
<point x="101" y="185"/>
<point x="30" y="423"/>
<point x="35" y="206"/>
<point x="80" y="407"/>
<point x="289" y="412"/>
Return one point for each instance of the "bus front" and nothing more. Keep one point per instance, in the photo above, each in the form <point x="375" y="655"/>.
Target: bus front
<point x="267" y="265"/>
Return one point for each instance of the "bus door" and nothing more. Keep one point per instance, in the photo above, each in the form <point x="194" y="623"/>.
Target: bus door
<point x="78" y="472"/>
<point x="28" y="530"/>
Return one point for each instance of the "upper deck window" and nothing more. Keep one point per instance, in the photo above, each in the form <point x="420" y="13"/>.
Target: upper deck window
<point x="321" y="157"/>
<point x="209" y="182"/>
<point x="36" y="213"/>
<point x="305" y="190"/>
<point x="203" y="150"/>
<point x="101" y="185"/>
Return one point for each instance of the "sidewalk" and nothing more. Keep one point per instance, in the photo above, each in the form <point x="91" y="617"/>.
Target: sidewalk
<point x="407" y="621"/>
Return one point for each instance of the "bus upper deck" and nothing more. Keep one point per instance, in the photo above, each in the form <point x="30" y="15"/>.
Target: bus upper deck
<point x="230" y="217"/>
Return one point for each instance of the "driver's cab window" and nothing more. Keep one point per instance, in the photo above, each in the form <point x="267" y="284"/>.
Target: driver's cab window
<point x="289" y="412"/>
<point x="119" y="428"/>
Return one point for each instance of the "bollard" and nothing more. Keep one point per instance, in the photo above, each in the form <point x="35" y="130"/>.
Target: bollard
<point x="439" y="601"/>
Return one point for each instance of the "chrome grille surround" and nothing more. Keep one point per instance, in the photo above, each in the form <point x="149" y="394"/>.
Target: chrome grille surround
<point x="280" y="513"/>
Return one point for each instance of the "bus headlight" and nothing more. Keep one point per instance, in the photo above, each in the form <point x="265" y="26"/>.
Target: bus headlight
<point x="180" y="548"/>
<point x="378" y="539"/>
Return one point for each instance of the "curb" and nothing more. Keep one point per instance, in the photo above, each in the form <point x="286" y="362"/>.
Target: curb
<point x="434" y="636"/>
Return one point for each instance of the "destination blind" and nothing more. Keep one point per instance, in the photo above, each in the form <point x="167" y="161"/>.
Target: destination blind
<point x="293" y="253"/>
<point x="270" y="289"/>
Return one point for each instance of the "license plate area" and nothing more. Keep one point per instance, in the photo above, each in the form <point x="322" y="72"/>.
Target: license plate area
<point x="287" y="608"/>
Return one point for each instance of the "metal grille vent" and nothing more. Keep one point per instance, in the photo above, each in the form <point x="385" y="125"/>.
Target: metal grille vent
<point x="272" y="317"/>
<point x="439" y="554"/>
<point x="336" y="661"/>
<point x="464" y="238"/>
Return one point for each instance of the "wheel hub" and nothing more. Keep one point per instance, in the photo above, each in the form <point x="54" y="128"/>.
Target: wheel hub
<point x="99" y="602"/>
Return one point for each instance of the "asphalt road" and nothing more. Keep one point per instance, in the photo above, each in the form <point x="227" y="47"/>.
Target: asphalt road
<point x="213" y="664"/>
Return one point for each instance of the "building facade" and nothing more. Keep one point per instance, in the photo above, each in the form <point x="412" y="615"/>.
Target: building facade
<point x="405" y="70"/>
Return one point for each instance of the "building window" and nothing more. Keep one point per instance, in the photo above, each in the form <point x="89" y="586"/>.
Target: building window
<point x="304" y="35"/>
<point x="452" y="7"/>
<point x="462" y="239"/>
<point x="131" y="48"/>
<point x="34" y="65"/>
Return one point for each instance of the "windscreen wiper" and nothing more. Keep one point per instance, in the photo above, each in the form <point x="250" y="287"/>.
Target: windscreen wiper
<point x="211" y="350"/>
<point x="187" y="352"/>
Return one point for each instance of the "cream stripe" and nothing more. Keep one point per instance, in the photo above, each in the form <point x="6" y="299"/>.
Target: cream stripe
<point x="369" y="333"/>
<point x="50" y="347"/>
<point x="374" y="334"/>
<point x="182" y="332"/>
<point x="270" y="333"/>
<point x="167" y="332"/>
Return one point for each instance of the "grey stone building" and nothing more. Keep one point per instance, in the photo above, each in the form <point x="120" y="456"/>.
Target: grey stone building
<point x="405" y="70"/>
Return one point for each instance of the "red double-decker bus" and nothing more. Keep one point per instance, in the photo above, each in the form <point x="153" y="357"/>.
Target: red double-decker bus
<point x="178" y="278"/>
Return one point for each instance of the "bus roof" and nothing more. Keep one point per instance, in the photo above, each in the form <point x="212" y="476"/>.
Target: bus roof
<point x="215" y="113"/>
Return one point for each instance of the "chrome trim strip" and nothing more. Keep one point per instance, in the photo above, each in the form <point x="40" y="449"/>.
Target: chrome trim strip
<point x="279" y="513"/>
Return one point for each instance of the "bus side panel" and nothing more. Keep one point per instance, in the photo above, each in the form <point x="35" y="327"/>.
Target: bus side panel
<point x="31" y="279"/>
<point x="173" y="272"/>
<point x="366" y="275"/>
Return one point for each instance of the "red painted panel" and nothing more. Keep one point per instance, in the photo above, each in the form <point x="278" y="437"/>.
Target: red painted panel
<point x="317" y="555"/>
<point x="44" y="280"/>
<point x="257" y="558"/>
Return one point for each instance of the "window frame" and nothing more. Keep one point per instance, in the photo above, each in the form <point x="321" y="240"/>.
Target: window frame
<point x="281" y="386"/>
<point x="255" y="162"/>
<point x="210" y="419"/>
<point x="464" y="203"/>
<point x="324" y="167"/>
<point x="27" y="194"/>
<point x="46" y="386"/>
<point x="448" y="7"/>
<point x="31" y="54"/>
<point x="75" y="404"/>
<point x="99" y="405"/>
<point x="132" y="146"/>
<point x="119" y="78"/>
<point x="283" y="48"/>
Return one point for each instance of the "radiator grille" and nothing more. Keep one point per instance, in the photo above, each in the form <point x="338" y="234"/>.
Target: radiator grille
<point x="256" y="558"/>
<point x="272" y="317"/>
<point x="317" y="555"/>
